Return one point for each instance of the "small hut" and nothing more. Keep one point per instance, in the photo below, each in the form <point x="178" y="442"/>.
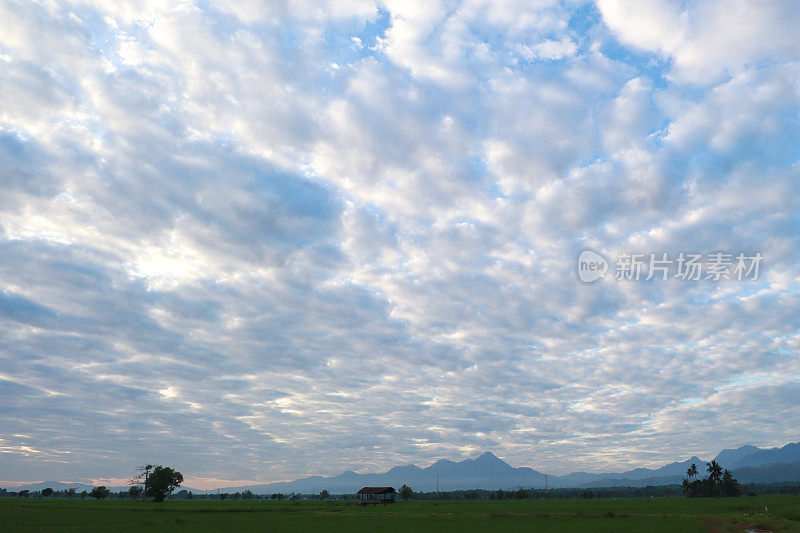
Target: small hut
<point x="370" y="495"/>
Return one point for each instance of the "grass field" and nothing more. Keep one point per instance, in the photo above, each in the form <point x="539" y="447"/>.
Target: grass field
<point x="772" y="513"/>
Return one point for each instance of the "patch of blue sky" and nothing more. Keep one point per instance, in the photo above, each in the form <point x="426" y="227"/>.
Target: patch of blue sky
<point x="749" y="380"/>
<point x="584" y="17"/>
<point x="691" y="402"/>
<point x="350" y="43"/>
<point x="587" y="21"/>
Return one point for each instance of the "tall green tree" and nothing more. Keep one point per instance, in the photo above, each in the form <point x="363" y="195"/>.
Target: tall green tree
<point x="162" y="481"/>
<point x="715" y="474"/>
<point x="714" y="470"/>
<point x="406" y="492"/>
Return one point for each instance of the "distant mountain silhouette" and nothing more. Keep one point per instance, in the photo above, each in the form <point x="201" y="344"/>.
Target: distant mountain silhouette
<point x="752" y="456"/>
<point x="629" y="478"/>
<point x="487" y="471"/>
<point x="55" y="485"/>
<point x="770" y="473"/>
<point x="728" y="458"/>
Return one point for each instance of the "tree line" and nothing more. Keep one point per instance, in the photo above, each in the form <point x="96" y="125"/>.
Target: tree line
<point x="720" y="482"/>
<point x="651" y="491"/>
<point x="155" y="482"/>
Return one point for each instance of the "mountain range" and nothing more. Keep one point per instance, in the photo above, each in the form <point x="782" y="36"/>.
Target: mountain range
<point x="748" y="463"/>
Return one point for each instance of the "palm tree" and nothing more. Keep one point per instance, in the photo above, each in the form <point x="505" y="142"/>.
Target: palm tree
<point x="714" y="473"/>
<point x="714" y="470"/>
<point x="688" y="482"/>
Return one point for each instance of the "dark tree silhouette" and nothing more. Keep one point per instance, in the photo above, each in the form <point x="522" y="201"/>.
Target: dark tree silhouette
<point x="47" y="492"/>
<point x="715" y="474"/>
<point x="162" y="481"/>
<point x="718" y="483"/>
<point x="324" y="495"/>
<point x="714" y="471"/>
<point x="100" y="492"/>
<point x="729" y="485"/>
<point x="406" y="492"/>
<point x="142" y="477"/>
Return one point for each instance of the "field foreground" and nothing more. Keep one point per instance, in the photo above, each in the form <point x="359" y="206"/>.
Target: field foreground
<point x="762" y="513"/>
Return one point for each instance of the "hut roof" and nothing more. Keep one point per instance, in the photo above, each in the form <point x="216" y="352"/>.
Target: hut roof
<point x="377" y="490"/>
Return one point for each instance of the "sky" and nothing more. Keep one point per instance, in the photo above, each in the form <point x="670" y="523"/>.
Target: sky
<point x="260" y="240"/>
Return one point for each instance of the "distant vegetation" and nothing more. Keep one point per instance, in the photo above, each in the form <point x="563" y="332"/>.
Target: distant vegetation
<point x="657" y="491"/>
<point x="152" y="481"/>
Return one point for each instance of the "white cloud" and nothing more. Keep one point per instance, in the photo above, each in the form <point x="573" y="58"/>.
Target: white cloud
<point x="709" y="38"/>
<point x="549" y="49"/>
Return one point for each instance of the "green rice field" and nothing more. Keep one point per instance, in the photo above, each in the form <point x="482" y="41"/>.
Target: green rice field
<point x="761" y="513"/>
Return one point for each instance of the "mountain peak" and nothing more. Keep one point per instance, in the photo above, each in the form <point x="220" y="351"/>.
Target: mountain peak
<point x="404" y="468"/>
<point x="489" y="458"/>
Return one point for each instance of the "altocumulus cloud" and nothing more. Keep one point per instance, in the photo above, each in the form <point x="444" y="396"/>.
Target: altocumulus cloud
<point x="271" y="239"/>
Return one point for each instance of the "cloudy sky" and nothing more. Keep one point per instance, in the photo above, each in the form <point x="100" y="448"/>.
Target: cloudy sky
<point x="259" y="240"/>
